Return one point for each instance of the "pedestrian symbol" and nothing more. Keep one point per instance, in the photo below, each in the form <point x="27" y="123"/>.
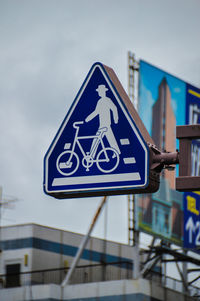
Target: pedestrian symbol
<point x="98" y="149"/>
<point x="103" y="110"/>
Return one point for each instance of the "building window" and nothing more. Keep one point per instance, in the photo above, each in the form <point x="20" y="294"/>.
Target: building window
<point x="13" y="275"/>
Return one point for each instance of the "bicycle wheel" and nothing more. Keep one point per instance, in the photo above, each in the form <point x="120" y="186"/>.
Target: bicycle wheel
<point x="67" y="163"/>
<point x="107" y="160"/>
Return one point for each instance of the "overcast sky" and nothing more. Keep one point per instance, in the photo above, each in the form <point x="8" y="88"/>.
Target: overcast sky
<point x="46" y="50"/>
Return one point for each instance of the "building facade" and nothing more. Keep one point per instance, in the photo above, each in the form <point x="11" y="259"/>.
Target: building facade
<point x="34" y="261"/>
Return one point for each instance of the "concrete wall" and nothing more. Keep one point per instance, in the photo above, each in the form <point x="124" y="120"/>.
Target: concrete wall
<point x="121" y="290"/>
<point x="36" y="292"/>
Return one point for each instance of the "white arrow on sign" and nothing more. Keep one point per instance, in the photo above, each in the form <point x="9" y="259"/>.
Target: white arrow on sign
<point x="190" y="226"/>
<point x="197" y="241"/>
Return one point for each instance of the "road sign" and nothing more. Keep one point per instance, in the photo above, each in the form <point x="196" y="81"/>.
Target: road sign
<point x="98" y="149"/>
<point x="192" y="220"/>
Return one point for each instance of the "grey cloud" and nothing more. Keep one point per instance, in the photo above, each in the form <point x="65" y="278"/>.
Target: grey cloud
<point x="47" y="48"/>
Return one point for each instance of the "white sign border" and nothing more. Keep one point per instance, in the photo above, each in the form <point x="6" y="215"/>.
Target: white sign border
<point x="64" y="124"/>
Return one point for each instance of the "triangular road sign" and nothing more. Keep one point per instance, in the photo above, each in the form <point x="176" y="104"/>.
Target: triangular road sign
<point x="98" y="149"/>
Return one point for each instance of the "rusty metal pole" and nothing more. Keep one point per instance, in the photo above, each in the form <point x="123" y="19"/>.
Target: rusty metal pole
<point x="83" y="244"/>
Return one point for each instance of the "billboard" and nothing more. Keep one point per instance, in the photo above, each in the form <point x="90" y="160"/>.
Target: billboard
<point x="166" y="101"/>
<point x="192" y="220"/>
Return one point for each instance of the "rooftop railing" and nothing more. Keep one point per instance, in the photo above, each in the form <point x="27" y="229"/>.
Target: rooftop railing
<point x="82" y="274"/>
<point x="92" y="273"/>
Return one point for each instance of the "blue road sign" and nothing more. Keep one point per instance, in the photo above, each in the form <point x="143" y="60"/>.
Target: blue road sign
<point x="98" y="149"/>
<point x="192" y="220"/>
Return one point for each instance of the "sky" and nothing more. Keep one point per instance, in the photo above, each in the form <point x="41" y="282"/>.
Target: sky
<point x="46" y="51"/>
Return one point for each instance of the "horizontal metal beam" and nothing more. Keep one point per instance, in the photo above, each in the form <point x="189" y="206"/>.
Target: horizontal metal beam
<point x="159" y="250"/>
<point x="188" y="183"/>
<point x="188" y="131"/>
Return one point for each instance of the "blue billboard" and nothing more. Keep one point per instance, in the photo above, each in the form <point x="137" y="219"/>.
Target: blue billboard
<point x="166" y="101"/>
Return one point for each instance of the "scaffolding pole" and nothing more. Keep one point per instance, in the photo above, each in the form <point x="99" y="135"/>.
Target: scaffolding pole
<point x="132" y="69"/>
<point x="133" y="235"/>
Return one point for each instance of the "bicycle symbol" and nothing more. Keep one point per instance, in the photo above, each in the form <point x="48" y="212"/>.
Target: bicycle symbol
<point x="106" y="159"/>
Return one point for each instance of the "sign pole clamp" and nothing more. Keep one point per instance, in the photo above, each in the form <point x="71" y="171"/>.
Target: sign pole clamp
<point x="162" y="160"/>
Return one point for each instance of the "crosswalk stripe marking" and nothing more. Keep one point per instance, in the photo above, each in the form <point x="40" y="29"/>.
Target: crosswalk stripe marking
<point x="124" y="141"/>
<point x="130" y="160"/>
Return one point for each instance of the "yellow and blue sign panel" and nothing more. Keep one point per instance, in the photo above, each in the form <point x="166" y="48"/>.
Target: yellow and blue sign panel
<point x="98" y="147"/>
<point x="192" y="220"/>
